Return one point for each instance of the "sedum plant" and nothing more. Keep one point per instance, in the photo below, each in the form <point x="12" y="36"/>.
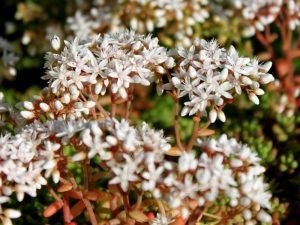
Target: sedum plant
<point x="275" y="24"/>
<point x="134" y="174"/>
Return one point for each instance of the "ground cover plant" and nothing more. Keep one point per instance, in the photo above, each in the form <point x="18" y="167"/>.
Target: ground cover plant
<point x="149" y="112"/>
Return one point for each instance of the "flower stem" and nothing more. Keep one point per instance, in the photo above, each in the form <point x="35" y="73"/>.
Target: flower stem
<point x="90" y="211"/>
<point x="195" y="132"/>
<point x="176" y="125"/>
<point x="161" y="208"/>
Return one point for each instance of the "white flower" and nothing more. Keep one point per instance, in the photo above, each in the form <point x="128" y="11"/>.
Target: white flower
<point x="151" y="176"/>
<point x="125" y="173"/>
<point x="187" y="162"/>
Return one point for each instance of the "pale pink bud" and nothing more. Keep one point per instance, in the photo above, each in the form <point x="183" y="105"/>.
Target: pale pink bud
<point x="79" y="156"/>
<point x="66" y="98"/>
<point x="58" y="105"/>
<point x="45" y="107"/>
<point x="28" y="105"/>
<point x="247" y="214"/>
<point x="111" y="140"/>
<point x="12" y="213"/>
<point x="3" y="199"/>
<point x="55" y="42"/>
<point x="27" y="115"/>
<point x="56" y="176"/>
<point x="264" y="217"/>
<point x="221" y="116"/>
<point x="259" y="91"/>
<point x="213" y="115"/>
<point x="150" y="25"/>
<point x="160" y="69"/>
<point x="254" y="98"/>
<point x="246" y="80"/>
<point x="134" y="23"/>
<point x="20" y="196"/>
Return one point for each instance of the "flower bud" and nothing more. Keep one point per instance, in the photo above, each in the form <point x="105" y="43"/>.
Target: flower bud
<point x="56" y="176"/>
<point x="264" y="217"/>
<point x="259" y="91"/>
<point x="134" y="23"/>
<point x="213" y="115"/>
<point x="28" y="105"/>
<point x="12" y="213"/>
<point x="192" y="72"/>
<point x="55" y="42"/>
<point x="247" y="214"/>
<point x="246" y="80"/>
<point x="27" y="115"/>
<point x="45" y="107"/>
<point x="221" y="116"/>
<point x="58" y="105"/>
<point x="66" y="98"/>
<point x="4" y="199"/>
<point x="160" y="69"/>
<point x="254" y="98"/>
<point x="150" y="25"/>
<point x="79" y="156"/>
<point x="249" y="31"/>
<point x="12" y="71"/>
<point x="111" y="140"/>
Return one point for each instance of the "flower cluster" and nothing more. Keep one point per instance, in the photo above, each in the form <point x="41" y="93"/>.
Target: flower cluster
<point x="86" y="69"/>
<point x="8" y="59"/>
<point x="225" y="169"/>
<point x="134" y="160"/>
<point x="126" y="158"/>
<point x="260" y="14"/>
<point x="179" y="18"/>
<point x="27" y="159"/>
<point x="210" y="76"/>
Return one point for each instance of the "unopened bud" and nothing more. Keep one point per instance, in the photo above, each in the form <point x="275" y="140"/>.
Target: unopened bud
<point x="79" y="156"/>
<point x="55" y="42"/>
<point x="254" y="98"/>
<point x="221" y="116"/>
<point x="27" y="115"/>
<point x="45" y="107"/>
<point x="264" y="217"/>
<point x="58" y="105"/>
<point x="12" y="213"/>
<point x="213" y="115"/>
